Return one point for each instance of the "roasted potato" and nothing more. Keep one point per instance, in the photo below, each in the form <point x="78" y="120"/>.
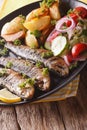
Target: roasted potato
<point x="37" y="23"/>
<point x="13" y="26"/>
<point x="31" y="40"/>
<point x="37" y="13"/>
<point x="12" y="37"/>
<point x="54" y="11"/>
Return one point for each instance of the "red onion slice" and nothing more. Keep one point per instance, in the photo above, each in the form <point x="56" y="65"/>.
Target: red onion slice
<point x="62" y="21"/>
<point x="52" y="35"/>
<point x="66" y="60"/>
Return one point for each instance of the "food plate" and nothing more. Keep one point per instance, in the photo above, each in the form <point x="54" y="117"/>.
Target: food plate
<point x="56" y="82"/>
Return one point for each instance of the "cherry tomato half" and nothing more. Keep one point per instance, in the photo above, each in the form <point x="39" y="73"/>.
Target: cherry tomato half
<point x="78" y="49"/>
<point x="68" y="23"/>
<point x="81" y="11"/>
<point x="74" y="17"/>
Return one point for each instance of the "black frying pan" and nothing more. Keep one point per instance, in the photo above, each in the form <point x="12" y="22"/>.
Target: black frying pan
<point x="57" y="82"/>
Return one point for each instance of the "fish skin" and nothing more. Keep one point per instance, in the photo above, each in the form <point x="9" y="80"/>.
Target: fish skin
<point x="56" y="64"/>
<point x="29" y="69"/>
<point x="12" y="80"/>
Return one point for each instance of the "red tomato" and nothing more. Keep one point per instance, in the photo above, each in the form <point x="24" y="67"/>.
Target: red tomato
<point x="78" y="48"/>
<point x="68" y="58"/>
<point x="68" y="23"/>
<point x="81" y="11"/>
<point x="74" y="17"/>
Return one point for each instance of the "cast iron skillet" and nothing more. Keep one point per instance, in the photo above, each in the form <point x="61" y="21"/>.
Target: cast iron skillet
<point x="56" y="82"/>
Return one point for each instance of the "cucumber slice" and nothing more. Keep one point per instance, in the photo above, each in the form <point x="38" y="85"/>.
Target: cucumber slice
<point x="47" y="45"/>
<point x="58" y="45"/>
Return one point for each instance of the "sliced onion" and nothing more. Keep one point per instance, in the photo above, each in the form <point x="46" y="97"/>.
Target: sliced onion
<point x="80" y="59"/>
<point x="66" y="60"/>
<point x="52" y="35"/>
<point x="70" y="33"/>
<point x="61" y="22"/>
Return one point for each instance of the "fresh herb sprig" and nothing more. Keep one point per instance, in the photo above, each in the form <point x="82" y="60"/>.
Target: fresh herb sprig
<point x="17" y="42"/>
<point x="36" y="33"/>
<point x="47" y="54"/>
<point x="3" y="72"/>
<point x="48" y="3"/>
<point x="45" y="71"/>
<point x="2" y="42"/>
<point x="9" y="65"/>
<point x="4" y="51"/>
<point x="26" y="82"/>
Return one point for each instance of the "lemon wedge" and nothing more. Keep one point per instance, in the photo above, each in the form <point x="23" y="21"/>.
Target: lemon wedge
<point x="8" y="97"/>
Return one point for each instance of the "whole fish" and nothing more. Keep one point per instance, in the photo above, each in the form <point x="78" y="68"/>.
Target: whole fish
<point x="15" y="83"/>
<point x="25" y="67"/>
<point x="56" y="64"/>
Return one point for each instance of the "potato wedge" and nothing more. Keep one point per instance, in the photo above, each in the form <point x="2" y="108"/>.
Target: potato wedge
<point x="14" y="26"/>
<point x="31" y="40"/>
<point x="37" y="13"/>
<point x="37" y="23"/>
<point x="5" y="29"/>
<point x="54" y="11"/>
<point x="12" y="37"/>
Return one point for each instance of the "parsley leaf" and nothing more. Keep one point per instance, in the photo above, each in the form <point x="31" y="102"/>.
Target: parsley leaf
<point x="36" y="33"/>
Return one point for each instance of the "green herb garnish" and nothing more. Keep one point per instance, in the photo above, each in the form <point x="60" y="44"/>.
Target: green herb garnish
<point x="72" y="66"/>
<point x="27" y="63"/>
<point x="4" y="51"/>
<point x="45" y="71"/>
<point x="9" y="65"/>
<point x="36" y="33"/>
<point x="41" y="47"/>
<point x="48" y="3"/>
<point x="3" y="72"/>
<point x="17" y="42"/>
<point x="24" y="76"/>
<point x="2" y="42"/>
<point x="84" y="32"/>
<point x="53" y="22"/>
<point x="81" y="22"/>
<point x="38" y="64"/>
<point x="22" y="85"/>
<point x="47" y="54"/>
<point x="69" y="11"/>
<point x="22" y="16"/>
<point x="28" y="81"/>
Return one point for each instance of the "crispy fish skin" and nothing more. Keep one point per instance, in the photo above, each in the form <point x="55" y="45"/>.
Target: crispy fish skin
<point x="12" y="80"/>
<point x="56" y="64"/>
<point x="27" y="68"/>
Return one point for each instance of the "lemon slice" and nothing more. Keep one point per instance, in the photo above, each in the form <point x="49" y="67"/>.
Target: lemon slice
<point x="8" y="97"/>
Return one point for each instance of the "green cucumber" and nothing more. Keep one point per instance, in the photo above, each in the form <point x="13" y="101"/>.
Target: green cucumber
<point x="47" y="45"/>
<point x="58" y="45"/>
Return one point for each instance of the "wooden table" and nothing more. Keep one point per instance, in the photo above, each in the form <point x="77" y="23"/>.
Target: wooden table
<point x="70" y="114"/>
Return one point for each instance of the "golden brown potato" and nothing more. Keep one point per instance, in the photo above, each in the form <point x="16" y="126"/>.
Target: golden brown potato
<point x="54" y="11"/>
<point x="5" y="29"/>
<point x="37" y="23"/>
<point x="31" y="40"/>
<point x="13" y="26"/>
<point x="37" y="13"/>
